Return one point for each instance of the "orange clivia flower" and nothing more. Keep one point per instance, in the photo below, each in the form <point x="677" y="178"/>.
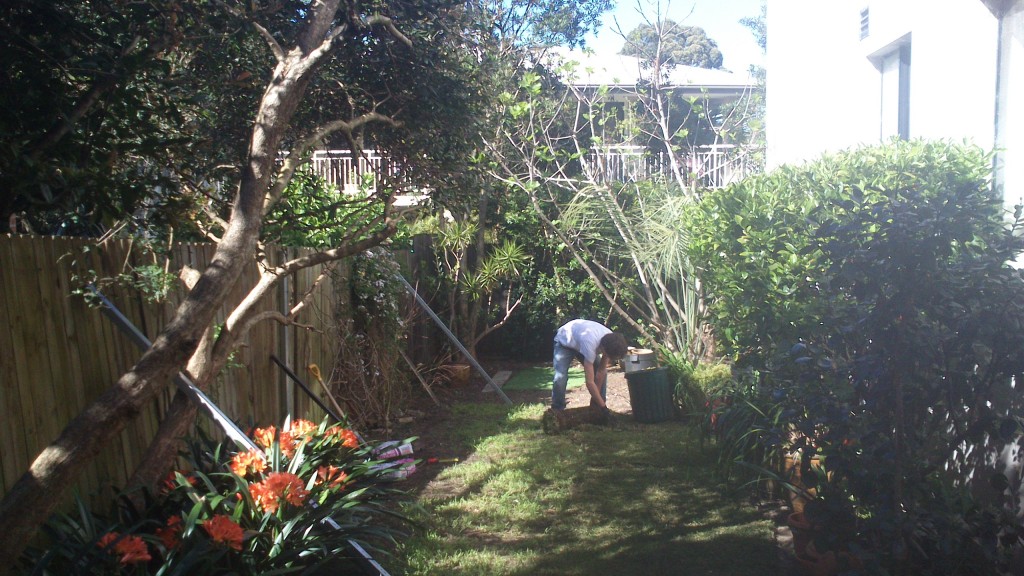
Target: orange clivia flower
<point x="288" y="443"/>
<point x="332" y="475"/>
<point x="224" y="530"/>
<point x="262" y="497"/>
<point x="131" y="549"/>
<point x="171" y="534"/>
<point x="264" y="437"/>
<point x="244" y="463"/>
<point x="278" y="486"/>
<point x="171" y="480"/>
<point x="348" y="437"/>
<point x="302" y="427"/>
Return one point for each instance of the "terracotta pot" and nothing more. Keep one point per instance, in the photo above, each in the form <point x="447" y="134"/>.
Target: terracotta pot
<point x="458" y="374"/>
<point x="814" y="566"/>
<point x="802" y="530"/>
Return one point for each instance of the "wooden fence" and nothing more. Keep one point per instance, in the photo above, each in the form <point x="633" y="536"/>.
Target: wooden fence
<point x="57" y="354"/>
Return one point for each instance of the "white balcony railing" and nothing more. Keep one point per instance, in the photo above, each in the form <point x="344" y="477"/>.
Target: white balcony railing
<point x="347" y="171"/>
<point x="714" y="166"/>
<point x="352" y="173"/>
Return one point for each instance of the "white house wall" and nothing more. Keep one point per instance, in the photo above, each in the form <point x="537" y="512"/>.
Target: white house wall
<point x="816" y="84"/>
<point x="824" y="91"/>
<point x="1010" y="131"/>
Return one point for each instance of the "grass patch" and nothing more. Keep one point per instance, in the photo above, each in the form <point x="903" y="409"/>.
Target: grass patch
<point x="539" y="378"/>
<point x="626" y="499"/>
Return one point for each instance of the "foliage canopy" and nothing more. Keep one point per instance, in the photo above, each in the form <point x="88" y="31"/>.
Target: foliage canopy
<point x="671" y="44"/>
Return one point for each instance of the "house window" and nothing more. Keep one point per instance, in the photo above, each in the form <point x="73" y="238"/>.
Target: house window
<point x="864" y="24"/>
<point x="895" y="93"/>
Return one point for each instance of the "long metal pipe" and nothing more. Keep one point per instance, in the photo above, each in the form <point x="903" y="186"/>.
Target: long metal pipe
<point x="312" y="396"/>
<point x="183" y="382"/>
<point x="440" y="323"/>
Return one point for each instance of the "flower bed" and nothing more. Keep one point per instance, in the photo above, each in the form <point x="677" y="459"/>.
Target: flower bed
<point x="297" y="502"/>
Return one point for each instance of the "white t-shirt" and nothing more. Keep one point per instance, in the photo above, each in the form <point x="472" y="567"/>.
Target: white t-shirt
<point x="583" y="336"/>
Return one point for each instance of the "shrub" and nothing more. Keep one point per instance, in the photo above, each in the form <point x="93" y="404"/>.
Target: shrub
<point x="697" y="385"/>
<point x="886" y="326"/>
<point x="749" y="243"/>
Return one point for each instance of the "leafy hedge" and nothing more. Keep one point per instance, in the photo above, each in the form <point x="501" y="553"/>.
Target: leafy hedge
<point x="869" y="298"/>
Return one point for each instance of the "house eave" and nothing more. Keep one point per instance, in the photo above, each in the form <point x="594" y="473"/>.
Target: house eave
<point x="620" y="92"/>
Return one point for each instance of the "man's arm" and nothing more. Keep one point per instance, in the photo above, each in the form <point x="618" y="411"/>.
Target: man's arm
<point x="601" y="376"/>
<point x="590" y="373"/>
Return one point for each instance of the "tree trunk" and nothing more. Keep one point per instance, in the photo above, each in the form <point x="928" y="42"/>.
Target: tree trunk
<point x="38" y="492"/>
<point x="473" y="327"/>
<point x="164" y="448"/>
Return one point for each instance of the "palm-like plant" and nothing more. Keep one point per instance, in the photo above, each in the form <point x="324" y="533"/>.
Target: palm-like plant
<point x="482" y="294"/>
<point x="636" y="244"/>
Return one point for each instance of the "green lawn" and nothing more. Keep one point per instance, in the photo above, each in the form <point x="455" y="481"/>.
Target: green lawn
<point x="626" y="499"/>
<point x="539" y="378"/>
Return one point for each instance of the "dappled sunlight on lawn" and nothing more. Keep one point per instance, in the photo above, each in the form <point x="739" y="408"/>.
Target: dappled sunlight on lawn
<point x="623" y="499"/>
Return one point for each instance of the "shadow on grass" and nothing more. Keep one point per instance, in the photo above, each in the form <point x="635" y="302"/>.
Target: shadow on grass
<point x="624" y="499"/>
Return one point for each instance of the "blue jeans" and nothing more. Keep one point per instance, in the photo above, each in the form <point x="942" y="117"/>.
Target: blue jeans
<point x="563" y="358"/>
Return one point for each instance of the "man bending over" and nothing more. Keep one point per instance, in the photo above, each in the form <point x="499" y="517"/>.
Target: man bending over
<point x="594" y="345"/>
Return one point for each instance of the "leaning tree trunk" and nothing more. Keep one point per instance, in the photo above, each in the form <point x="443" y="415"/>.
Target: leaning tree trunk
<point x="179" y="417"/>
<point x="164" y="448"/>
<point x="37" y="493"/>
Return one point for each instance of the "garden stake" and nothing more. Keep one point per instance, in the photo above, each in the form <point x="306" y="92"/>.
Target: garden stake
<point x="315" y="371"/>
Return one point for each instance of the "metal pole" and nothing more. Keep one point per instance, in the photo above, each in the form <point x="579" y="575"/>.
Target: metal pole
<point x="312" y="396"/>
<point x="183" y="382"/>
<point x="286" y="340"/>
<point x="426" y="308"/>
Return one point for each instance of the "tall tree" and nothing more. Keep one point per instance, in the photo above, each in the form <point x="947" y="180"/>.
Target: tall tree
<point x="754" y="128"/>
<point x="483" y="267"/>
<point x="532" y="24"/>
<point x="324" y="68"/>
<point x="85" y="97"/>
<point x="758" y="26"/>
<point x="668" y="44"/>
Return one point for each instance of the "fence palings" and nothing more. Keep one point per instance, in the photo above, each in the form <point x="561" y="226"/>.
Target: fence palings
<point x="57" y="354"/>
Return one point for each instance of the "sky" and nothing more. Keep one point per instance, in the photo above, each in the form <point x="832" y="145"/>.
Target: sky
<point x="718" y="18"/>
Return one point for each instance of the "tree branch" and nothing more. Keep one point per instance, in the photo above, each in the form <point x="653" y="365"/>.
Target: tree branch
<point x="508" y="314"/>
<point x="389" y="25"/>
<point x="275" y="48"/>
